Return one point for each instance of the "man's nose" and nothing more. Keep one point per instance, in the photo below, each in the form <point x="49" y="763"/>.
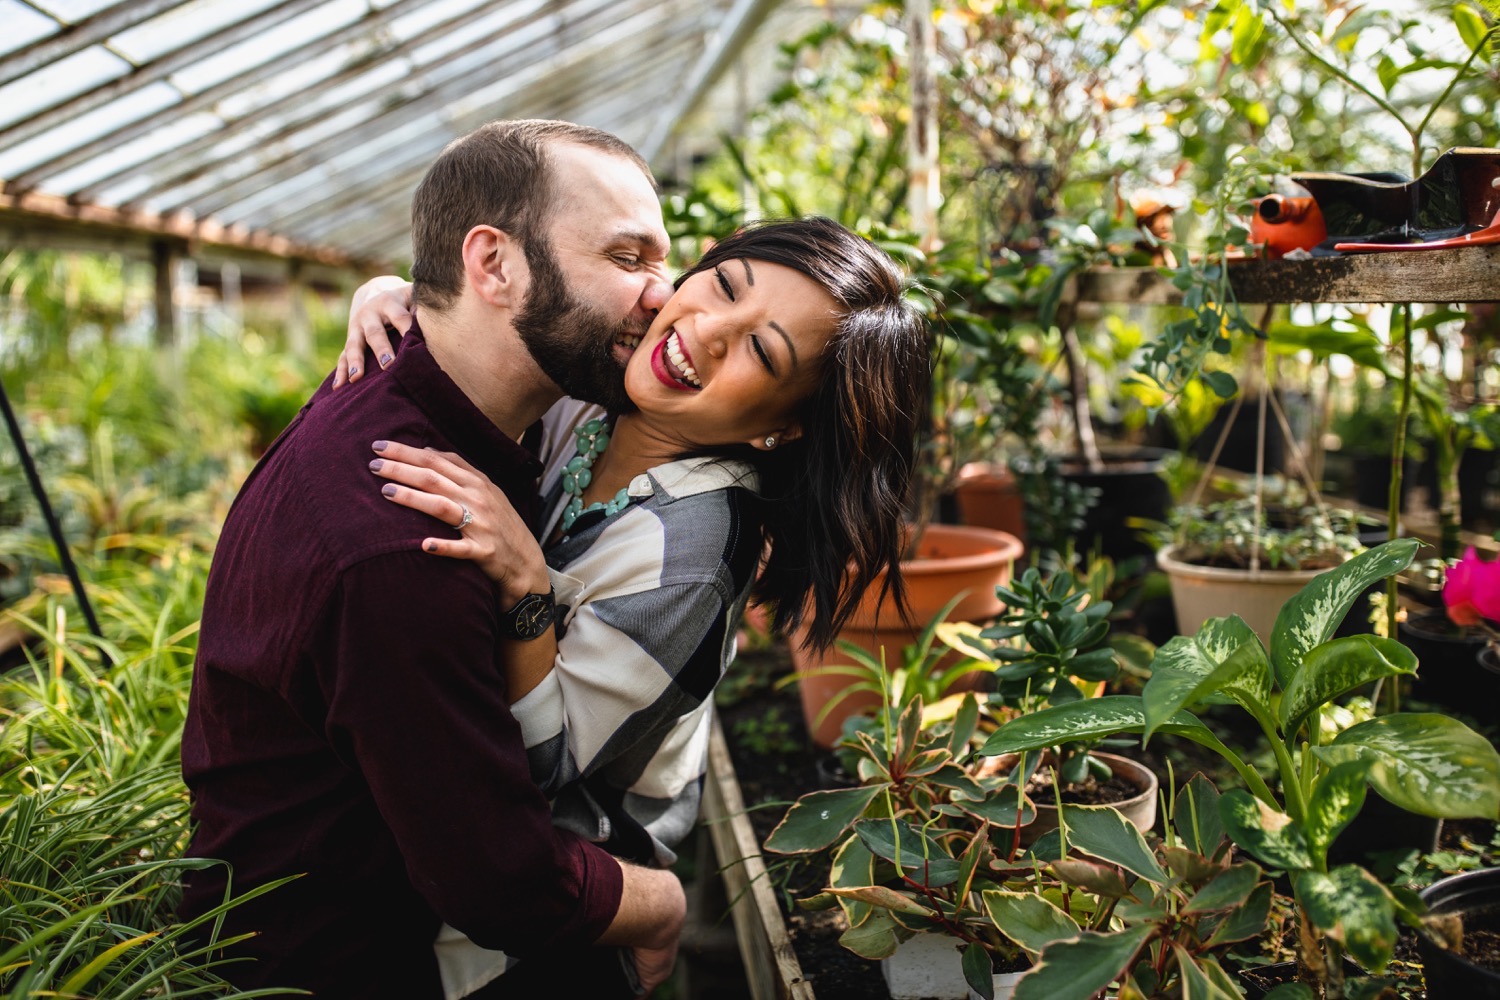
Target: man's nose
<point x="656" y="293"/>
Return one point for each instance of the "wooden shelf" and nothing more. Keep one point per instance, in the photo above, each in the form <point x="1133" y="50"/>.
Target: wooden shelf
<point x="1468" y="274"/>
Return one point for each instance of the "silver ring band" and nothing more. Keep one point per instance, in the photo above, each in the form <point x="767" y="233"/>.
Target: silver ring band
<point x="467" y="519"/>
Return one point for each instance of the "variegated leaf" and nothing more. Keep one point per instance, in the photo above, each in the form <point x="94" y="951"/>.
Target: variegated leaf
<point x="1425" y="763"/>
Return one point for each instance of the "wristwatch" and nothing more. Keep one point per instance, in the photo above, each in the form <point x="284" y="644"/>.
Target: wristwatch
<point x="531" y="616"/>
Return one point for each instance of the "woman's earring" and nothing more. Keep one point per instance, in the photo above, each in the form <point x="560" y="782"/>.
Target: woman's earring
<point x="771" y="441"/>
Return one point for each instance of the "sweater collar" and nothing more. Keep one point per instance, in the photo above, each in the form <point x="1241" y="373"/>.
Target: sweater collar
<point x="491" y="451"/>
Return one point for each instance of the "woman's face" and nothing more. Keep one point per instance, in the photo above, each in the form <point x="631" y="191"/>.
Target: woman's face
<point x="732" y="354"/>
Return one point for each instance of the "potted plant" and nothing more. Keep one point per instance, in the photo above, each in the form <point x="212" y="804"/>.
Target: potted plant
<point x="1050" y="646"/>
<point x="1427" y="764"/>
<point x="1459" y="646"/>
<point x="1237" y="556"/>
<point x="1460" y="937"/>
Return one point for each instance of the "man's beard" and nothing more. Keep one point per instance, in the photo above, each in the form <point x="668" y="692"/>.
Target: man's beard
<point x="571" y="340"/>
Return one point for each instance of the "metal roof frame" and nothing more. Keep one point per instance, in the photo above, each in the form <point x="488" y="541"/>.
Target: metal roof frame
<point x="313" y="150"/>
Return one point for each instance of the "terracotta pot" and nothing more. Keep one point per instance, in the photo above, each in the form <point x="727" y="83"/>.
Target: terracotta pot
<point x="949" y="558"/>
<point x="1139" y="810"/>
<point x="989" y="496"/>
<point x="1203" y="592"/>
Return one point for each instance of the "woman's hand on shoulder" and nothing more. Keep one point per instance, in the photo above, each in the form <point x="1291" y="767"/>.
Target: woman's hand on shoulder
<point x="379" y="305"/>
<point x="445" y="486"/>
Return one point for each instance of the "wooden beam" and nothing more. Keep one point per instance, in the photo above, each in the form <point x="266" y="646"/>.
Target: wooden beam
<point x="1466" y="274"/>
<point x="112" y="228"/>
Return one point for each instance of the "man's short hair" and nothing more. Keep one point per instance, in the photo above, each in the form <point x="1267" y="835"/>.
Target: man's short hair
<point x="498" y="175"/>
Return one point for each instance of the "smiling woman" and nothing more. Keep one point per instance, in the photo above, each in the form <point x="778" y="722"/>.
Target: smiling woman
<point x="768" y="455"/>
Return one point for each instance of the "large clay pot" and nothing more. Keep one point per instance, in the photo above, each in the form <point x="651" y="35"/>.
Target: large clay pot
<point x="1203" y="592"/>
<point x="1475" y="898"/>
<point x="949" y="558"/>
<point x="989" y="496"/>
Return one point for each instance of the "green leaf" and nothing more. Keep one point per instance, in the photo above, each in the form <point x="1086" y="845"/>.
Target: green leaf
<point x="978" y="970"/>
<point x="1196" y="815"/>
<point x="853" y="865"/>
<point x="1195" y="980"/>
<point x="1314" y="612"/>
<point x="1387" y="72"/>
<point x="1249" y="921"/>
<point x="1103" y="833"/>
<point x="885" y="898"/>
<point x="1269" y="835"/>
<point x="1005" y="807"/>
<point x="1230" y="888"/>
<point x="1080" y="968"/>
<point x="1338" y="667"/>
<point x="1090" y="876"/>
<point x="818" y="818"/>
<point x="1089" y="719"/>
<point x="1352" y="908"/>
<point x="1470" y="25"/>
<point x="1334" y="803"/>
<point x="916" y="856"/>
<point x="1244" y="675"/>
<point x="1425" y="763"/>
<point x="1245" y="37"/>
<point x="1027" y="919"/>
<point x="875" y="938"/>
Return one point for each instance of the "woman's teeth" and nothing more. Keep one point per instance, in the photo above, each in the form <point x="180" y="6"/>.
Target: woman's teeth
<point x="674" y="352"/>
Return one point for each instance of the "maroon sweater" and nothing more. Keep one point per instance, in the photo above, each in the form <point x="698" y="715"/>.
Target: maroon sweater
<point x="348" y="720"/>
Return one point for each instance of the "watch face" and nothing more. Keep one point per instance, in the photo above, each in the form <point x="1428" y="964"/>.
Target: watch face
<point x="532" y="616"/>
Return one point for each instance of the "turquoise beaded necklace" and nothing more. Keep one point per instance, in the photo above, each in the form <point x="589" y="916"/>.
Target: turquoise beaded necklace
<point x="593" y="438"/>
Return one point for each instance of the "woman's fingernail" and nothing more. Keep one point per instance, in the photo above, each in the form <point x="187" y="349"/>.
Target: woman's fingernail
<point x="385" y="359"/>
<point x="375" y="464"/>
<point x="431" y="546"/>
<point x="389" y="489"/>
<point x="379" y="445"/>
<point x="353" y="371"/>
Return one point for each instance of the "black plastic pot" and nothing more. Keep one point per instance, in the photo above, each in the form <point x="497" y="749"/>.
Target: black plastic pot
<point x="1372" y="479"/>
<point x="1448" y="671"/>
<point x="1381" y="828"/>
<point x="1130" y="487"/>
<point x="1475" y="897"/>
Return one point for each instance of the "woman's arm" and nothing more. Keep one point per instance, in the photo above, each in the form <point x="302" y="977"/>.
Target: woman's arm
<point x="378" y="305"/>
<point x="444" y="485"/>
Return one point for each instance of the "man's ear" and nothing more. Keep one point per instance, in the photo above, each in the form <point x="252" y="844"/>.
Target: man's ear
<point x="495" y="266"/>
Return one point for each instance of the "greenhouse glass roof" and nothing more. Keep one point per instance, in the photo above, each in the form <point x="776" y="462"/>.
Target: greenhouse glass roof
<point x="301" y="127"/>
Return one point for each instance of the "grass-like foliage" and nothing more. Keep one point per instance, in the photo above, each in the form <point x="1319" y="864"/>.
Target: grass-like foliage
<point x="93" y="811"/>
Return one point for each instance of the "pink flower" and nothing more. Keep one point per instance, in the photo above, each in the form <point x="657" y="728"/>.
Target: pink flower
<point x="1471" y="590"/>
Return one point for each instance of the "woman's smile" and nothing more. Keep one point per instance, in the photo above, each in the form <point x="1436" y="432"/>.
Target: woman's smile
<point x="673" y="366"/>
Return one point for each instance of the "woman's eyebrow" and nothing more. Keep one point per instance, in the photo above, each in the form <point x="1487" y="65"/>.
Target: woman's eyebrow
<point x="749" y="274"/>
<point x="791" y="348"/>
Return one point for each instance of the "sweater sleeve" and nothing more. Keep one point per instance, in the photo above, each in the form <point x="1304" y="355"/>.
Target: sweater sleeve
<point x="417" y="705"/>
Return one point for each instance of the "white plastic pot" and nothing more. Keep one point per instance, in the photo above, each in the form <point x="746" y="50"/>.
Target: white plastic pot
<point x="1203" y="592"/>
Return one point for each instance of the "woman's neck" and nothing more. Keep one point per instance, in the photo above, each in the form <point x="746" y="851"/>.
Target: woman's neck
<point x="633" y="448"/>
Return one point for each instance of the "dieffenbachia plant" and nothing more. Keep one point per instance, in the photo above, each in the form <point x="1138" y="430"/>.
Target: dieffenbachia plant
<point x="1425" y="763"/>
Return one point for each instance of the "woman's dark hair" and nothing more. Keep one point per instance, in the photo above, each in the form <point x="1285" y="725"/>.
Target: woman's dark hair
<point x="837" y="496"/>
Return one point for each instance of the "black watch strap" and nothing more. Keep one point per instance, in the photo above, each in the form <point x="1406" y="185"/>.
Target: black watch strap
<point x="531" y="617"/>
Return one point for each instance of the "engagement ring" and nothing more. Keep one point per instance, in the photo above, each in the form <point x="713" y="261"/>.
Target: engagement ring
<point x="467" y="519"/>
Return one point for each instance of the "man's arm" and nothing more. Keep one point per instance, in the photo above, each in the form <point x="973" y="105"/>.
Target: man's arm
<point x="416" y="704"/>
<point x="649" y="921"/>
